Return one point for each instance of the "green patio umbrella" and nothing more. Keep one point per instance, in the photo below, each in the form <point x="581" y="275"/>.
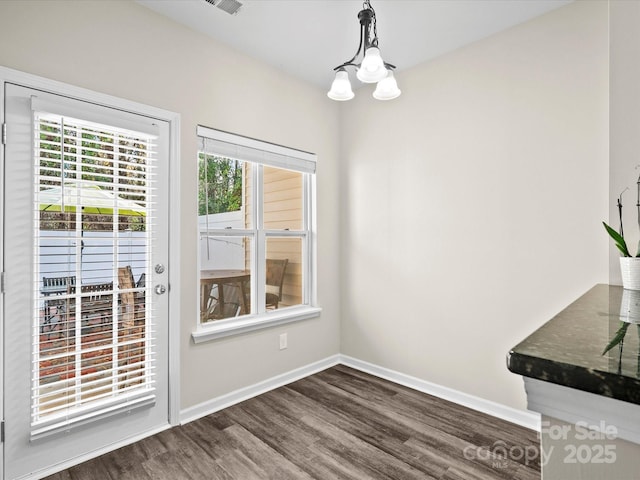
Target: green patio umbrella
<point x="91" y="198"/>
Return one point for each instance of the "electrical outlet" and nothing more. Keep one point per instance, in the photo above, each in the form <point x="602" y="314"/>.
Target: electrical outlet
<point x="283" y="341"/>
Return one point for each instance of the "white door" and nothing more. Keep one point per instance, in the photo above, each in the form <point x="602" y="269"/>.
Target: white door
<point x="85" y="249"/>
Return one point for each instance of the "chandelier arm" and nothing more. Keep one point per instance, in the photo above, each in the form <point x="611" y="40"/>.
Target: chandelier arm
<point x="346" y="64"/>
<point x="349" y="63"/>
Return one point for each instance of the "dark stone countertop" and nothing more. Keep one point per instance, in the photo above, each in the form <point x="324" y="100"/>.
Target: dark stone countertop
<point x="567" y="350"/>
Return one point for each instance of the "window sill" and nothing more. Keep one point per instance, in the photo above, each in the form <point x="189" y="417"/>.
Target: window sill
<point x="226" y="328"/>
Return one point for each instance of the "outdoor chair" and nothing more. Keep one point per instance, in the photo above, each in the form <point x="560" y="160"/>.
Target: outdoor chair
<point x="126" y="282"/>
<point x="275" y="278"/>
<point x="140" y="296"/>
<point x="132" y="304"/>
<point x="232" y="306"/>
<point x="228" y="310"/>
<point x="54" y="286"/>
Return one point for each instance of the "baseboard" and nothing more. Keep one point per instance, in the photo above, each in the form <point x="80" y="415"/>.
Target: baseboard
<point x="526" y="419"/>
<point x="216" y="404"/>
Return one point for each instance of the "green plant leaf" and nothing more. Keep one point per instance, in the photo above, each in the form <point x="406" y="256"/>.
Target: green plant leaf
<point x="622" y="331"/>
<point x="618" y="239"/>
<point x="624" y="252"/>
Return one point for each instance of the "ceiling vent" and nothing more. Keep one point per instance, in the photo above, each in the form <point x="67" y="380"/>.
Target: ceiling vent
<point x="230" y="6"/>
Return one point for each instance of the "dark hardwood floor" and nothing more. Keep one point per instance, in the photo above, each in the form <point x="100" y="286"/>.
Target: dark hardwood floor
<point x="337" y="424"/>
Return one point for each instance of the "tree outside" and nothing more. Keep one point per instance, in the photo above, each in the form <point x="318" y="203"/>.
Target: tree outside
<point x="220" y="184"/>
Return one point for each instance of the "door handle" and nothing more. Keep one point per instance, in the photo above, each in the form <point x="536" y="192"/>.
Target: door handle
<point x="160" y="289"/>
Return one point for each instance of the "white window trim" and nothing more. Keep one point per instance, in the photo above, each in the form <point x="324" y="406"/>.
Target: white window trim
<point x="247" y="323"/>
<point x="239" y="325"/>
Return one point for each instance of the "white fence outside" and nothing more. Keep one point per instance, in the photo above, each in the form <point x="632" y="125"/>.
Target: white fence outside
<point x="58" y="250"/>
<point x="221" y="252"/>
<point x="58" y="255"/>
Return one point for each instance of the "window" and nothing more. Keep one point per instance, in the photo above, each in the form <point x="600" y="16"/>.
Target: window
<point x="92" y="343"/>
<point x="255" y="234"/>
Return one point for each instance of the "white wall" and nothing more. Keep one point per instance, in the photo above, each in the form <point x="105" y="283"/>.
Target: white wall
<point x="123" y="49"/>
<point x="473" y="202"/>
<point x="625" y="124"/>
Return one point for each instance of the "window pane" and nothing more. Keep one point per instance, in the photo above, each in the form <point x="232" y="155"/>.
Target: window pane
<point x="225" y="277"/>
<point x="283" y="204"/>
<point x="220" y="185"/>
<point x="92" y="227"/>
<point x="284" y="272"/>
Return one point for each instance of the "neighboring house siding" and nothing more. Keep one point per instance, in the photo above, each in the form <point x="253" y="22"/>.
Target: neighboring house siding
<point x="282" y="209"/>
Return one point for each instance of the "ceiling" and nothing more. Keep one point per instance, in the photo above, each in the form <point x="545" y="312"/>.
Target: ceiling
<point x="308" y="38"/>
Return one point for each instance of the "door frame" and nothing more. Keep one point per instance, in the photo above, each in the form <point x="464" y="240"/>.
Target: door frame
<point x="8" y="75"/>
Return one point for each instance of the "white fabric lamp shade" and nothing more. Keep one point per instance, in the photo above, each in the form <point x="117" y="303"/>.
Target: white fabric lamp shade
<point x="341" y="87"/>
<point x="387" y="88"/>
<point x="372" y="69"/>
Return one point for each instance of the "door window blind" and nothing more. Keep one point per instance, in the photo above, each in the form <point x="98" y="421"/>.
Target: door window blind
<point x="93" y="204"/>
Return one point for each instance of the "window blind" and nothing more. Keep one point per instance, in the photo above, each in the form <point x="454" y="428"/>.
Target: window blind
<point x="93" y="211"/>
<point x="217" y="142"/>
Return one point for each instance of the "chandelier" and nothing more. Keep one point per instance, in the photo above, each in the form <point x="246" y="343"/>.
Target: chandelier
<point x="371" y="69"/>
